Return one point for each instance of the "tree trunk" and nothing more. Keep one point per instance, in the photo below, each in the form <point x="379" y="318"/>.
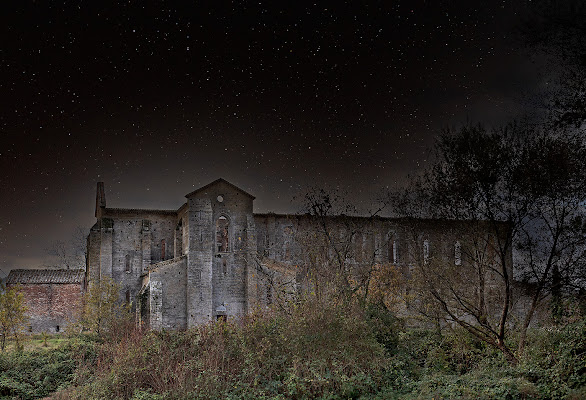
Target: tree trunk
<point x="507" y="352"/>
<point x="556" y="294"/>
<point x="526" y="322"/>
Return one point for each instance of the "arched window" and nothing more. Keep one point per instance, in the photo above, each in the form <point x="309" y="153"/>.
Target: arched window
<point x="222" y="236"/>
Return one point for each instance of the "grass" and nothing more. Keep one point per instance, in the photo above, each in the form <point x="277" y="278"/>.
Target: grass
<point x="37" y="342"/>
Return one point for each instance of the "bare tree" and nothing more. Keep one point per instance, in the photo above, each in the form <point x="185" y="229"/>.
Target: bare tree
<point x="71" y="254"/>
<point x="341" y="256"/>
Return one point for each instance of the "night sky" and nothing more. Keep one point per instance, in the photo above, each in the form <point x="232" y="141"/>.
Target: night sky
<point x="157" y="100"/>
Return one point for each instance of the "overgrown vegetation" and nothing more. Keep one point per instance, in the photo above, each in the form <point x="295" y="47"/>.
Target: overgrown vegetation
<point x="327" y="353"/>
<point x="36" y="373"/>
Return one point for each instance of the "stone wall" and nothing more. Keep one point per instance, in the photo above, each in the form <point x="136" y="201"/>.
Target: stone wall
<point x="125" y="243"/>
<point x="168" y="286"/>
<point x="218" y="252"/>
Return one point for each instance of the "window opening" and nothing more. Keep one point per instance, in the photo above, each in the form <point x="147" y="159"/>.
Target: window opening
<point x="128" y="296"/>
<point x="426" y="251"/>
<point x="127" y="263"/>
<point x="162" y="249"/>
<point x="222" y="241"/>
<point x="57" y="328"/>
<point x="458" y="253"/>
<point x="395" y="254"/>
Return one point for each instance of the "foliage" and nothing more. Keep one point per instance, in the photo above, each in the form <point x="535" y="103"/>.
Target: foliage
<point x="12" y="314"/>
<point x="384" y="286"/>
<point x="327" y="354"/>
<point x="102" y="311"/>
<point x="316" y="352"/>
<point x="36" y="374"/>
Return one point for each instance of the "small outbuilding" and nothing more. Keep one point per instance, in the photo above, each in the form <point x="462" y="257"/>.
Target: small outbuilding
<point x="52" y="296"/>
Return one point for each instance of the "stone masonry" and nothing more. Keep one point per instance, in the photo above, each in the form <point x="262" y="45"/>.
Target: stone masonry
<point x="211" y="257"/>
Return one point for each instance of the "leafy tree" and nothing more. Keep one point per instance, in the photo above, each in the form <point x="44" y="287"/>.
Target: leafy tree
<point x="102" y="309"/>
<point x="519" y="185"/>
<point x="12" y="314"/>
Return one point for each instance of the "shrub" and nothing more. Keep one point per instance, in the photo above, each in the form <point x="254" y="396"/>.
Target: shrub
<point x="314" y="352"/>
<point x="320" y="352"/>
<point x="31" y="375"/>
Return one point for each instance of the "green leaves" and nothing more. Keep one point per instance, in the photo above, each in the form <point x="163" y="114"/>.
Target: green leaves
<point x="12" y="314"/>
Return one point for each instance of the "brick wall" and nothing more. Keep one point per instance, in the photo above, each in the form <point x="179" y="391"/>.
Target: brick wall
<point x="51" y="306"/>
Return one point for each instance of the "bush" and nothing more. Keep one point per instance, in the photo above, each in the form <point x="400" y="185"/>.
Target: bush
<point x="314" y="352"/>
<point x="31" y="375"/>
<point x="321" y="352"/>
<point x="555" y="360"/>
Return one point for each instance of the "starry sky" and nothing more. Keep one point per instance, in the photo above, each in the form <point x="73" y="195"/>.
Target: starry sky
<point x="159" y="98"/>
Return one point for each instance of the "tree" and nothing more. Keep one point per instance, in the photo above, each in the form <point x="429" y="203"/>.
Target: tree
<point x="342" y="260"/>
<point x="71" y="254"/>
<point x="12" y="314"/>
<point x="519" y="185"/>
<point x="102" y="309"/>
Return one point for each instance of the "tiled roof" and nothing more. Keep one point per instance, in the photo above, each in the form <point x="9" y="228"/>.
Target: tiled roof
<point x="36" y="276"/>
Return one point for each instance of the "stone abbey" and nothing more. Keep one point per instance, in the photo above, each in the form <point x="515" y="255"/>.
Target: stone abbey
<point x="215" y="258"/>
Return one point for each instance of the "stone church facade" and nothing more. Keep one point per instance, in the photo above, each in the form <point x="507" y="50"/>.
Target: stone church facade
<point x="214" y="258"/>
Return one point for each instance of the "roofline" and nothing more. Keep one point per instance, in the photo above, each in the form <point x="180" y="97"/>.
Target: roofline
<point x="376" y="217"/>
<point x="47" y="269"/>
<point x="180" y="209"/>
<point x="137" y="210"/>
<point x="33" y="271"/>
<point x="222" y="180"/>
